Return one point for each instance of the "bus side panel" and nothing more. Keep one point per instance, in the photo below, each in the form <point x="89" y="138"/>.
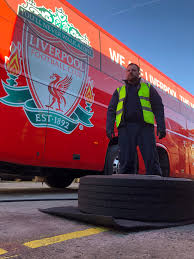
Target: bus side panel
<point x="177" y="140"/>
<point x="20" y="141"/>
<point x="88" y="143"/>
<point x="115" y="58"/>
<point x="190" y="125"/>
<point x="188" y="113"/>
<point x="61" y="123"/>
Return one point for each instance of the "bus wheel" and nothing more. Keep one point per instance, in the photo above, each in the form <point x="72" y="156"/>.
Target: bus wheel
<point x="112" y="164"/>
<point x="164" y="162"/>
<point x="59" y="180"/>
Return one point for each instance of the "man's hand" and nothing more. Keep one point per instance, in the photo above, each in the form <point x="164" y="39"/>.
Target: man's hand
<point x="161" y="133"/>
<point x="110" y="134"/>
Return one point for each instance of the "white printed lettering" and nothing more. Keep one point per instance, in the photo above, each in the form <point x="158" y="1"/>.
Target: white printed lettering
<point x="57" y="53"/>
<point x="141" y="72"/>
<point x="122" y="60"/>
<point x="114" y="57"/>
<point x="31" y="40"/>
<point x="44" y="46"/>
<point x="51" y="50"/>
<point x="38" y="117"/>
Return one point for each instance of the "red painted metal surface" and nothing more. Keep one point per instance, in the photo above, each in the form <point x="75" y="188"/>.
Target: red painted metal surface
<point x="58" y="70"/>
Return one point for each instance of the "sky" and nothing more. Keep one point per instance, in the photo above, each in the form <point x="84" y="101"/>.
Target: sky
<point x="160" y="31"/>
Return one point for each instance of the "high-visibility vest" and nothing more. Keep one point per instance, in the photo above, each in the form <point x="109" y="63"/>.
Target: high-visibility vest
<point x="144" y="96"/>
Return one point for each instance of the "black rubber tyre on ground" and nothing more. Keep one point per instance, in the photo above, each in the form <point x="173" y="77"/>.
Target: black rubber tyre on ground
<point x="138" y="197"/>
<point x="59" y="180"/>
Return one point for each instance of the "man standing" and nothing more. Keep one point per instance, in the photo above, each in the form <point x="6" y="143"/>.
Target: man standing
<point x="134" y="106"/>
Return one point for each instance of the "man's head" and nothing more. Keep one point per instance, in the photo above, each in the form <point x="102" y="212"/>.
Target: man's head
<point x="132" y="73"/>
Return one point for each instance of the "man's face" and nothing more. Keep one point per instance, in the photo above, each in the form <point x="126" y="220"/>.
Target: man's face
<point x="132" y="73"/>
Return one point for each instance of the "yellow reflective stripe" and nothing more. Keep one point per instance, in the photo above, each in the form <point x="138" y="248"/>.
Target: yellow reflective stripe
<point x="148" y="85"/>
<point x="148" y="116"/>
<point x="144" y="90"/>
<point x="122" y="95"/>
<point x="144" y="94"/>
<point x="118" y="120"/>
<point x="121" y="92"/>
<point x="145" y="103"/>
<point x="119" y="111"/>
<point x="119" y="89"/>
<point x="120" y="106"/>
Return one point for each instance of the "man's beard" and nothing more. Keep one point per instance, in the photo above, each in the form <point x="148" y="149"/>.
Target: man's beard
<point x="134" y="80"/>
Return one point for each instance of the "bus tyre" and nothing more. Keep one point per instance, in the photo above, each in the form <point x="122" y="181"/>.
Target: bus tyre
<point x="59" y="180"/>
<point x="112" y="160"/>
<point x="137" y="197"/>
<point x="112" y="164"/>
<point x="164" y="162"/>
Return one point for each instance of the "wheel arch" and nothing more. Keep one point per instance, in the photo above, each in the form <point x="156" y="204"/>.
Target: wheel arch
<point x="163" y="151"/>
<point x="164" y="155"/>
<point x="112" y="142"/>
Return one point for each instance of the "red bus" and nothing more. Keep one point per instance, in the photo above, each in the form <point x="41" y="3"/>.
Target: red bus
<point x="58" y="70"/>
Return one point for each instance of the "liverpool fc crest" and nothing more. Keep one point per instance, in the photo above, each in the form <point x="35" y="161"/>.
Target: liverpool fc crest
<point x="54" y="57"/>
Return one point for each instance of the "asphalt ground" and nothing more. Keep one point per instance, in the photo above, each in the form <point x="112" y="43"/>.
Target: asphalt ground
<point x="10" y="191"/>
<point x="25" y="232"/>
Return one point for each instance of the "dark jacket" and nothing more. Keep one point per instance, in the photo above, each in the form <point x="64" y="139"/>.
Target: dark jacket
<point x="132" y="108"/>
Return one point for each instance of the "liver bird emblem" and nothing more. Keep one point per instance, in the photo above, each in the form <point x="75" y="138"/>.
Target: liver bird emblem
<point x="57" y="89"/>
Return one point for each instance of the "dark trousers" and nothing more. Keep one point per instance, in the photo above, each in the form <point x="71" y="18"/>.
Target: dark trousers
<point x="131" y="136"/>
